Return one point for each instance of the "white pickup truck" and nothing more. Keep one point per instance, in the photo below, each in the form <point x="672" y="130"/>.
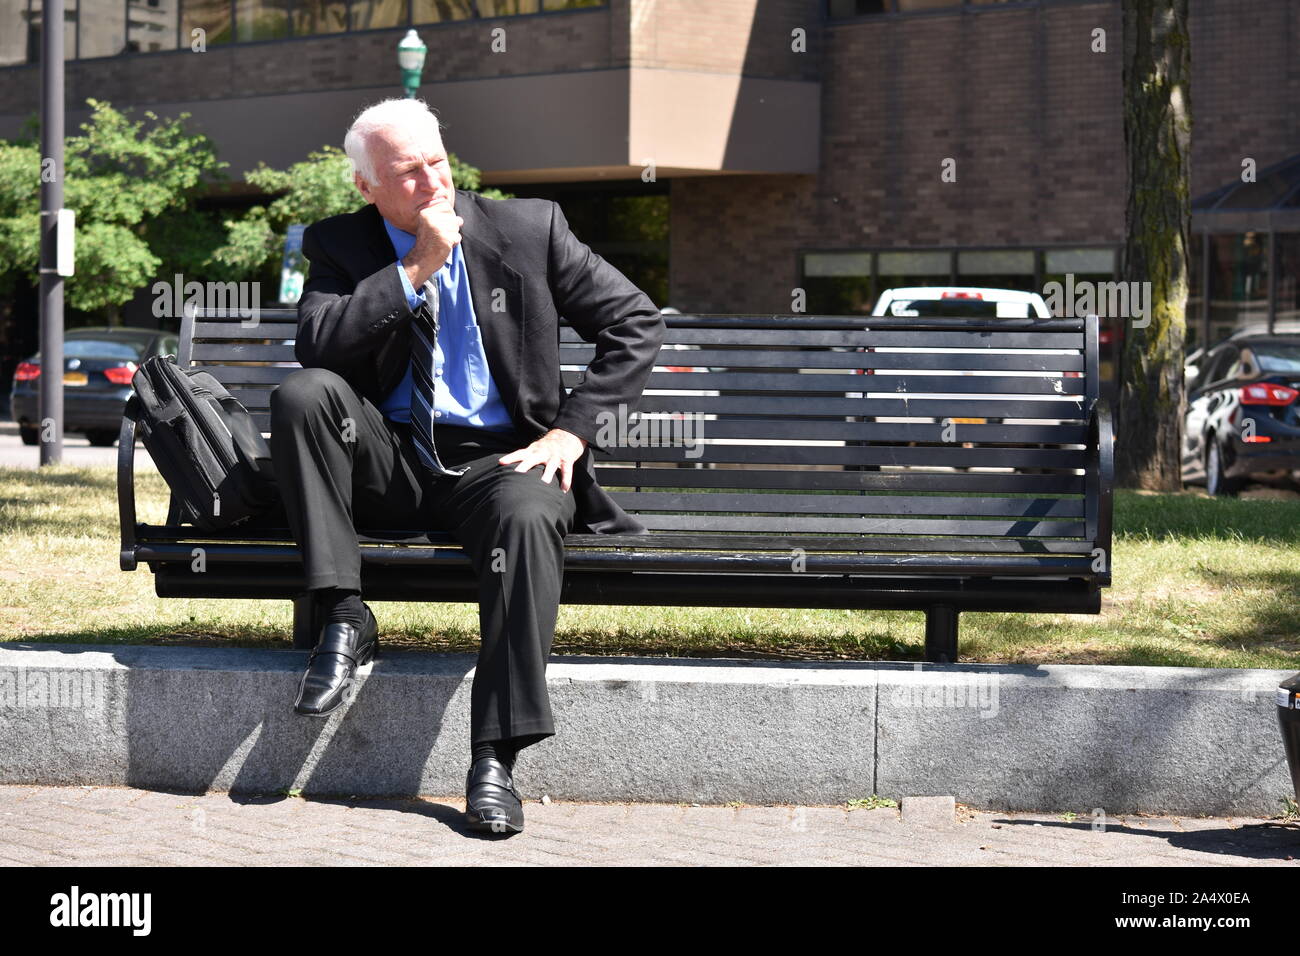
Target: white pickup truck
<point x="974" y="301"/>
<point x="961" y="300"/>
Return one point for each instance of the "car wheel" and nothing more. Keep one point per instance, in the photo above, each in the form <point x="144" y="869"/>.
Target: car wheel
<point x="30" y="434"/>
<point x="103" y="438"/>
<point x="1216" y="483"/>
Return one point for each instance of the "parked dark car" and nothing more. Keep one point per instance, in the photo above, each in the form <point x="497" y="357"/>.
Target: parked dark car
<point x="1243" y="417"/>
<point x="97" y="367"/>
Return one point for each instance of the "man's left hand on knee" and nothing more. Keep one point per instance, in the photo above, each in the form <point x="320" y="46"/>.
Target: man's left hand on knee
<point x="557" y="449"/>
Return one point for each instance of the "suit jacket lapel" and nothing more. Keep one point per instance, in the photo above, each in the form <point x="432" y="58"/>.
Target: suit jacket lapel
<point x="377" y="241"/>
<point x="497" y="292"/>
<point x="500" y="314"/>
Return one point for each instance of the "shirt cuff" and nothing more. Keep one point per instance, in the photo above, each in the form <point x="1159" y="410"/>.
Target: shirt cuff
<point x="413" y="299"/>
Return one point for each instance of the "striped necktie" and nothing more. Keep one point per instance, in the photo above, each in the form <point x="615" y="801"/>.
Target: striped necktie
<point x="424" y="330"/>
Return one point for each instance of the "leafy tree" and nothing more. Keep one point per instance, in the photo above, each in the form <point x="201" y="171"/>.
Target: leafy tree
<point x="307" y="191"/>
<point x="121" y="177"/>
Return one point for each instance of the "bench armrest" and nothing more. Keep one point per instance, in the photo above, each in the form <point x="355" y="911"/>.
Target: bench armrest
<point x="126" y="483"/>
<point x="1100" y="483"/>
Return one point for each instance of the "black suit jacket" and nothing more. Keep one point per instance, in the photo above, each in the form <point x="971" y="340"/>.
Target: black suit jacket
<point x="521" y="257"/>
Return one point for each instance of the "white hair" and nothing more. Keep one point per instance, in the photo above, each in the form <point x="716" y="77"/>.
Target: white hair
<point x="386" y="114"/>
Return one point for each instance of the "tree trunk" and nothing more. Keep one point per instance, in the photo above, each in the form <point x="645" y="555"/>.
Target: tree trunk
<point x="1157" y="141"/>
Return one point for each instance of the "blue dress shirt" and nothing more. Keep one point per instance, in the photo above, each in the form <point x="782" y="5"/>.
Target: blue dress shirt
<point x="470" y="397"/>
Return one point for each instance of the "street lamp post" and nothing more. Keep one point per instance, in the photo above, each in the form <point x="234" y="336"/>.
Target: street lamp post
<point x="50" y="407"/>
<point x="410" y="57"/>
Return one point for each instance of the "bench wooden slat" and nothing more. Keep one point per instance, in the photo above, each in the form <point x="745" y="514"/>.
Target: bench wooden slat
<point x="862" y="338"/>
<point x="977" y="339"/>
<point x="670" y="540"/>
<point x="826" y="455"/>
<point x="833" y="381"/>
<point x="951" y="457"/>
<point x="658" y="403"/>
<point x="769" y="524"/>
<point x="839" y="543"/>
<point x="613" y="476"/>
<point x="205" y="354"/>
<point x="973" y="506"/>
<point x="263" y="328"/>
<point x="243" y="352"/>
<point x="259" y="399"/>
<point x="267" y="566"/>
<point x="877" y="407"/>
<point x="1014" y="433"/>
<point x="229" y="375"/>
<point x="578" y="357"/>
<point x="834" y="338"/>
<point x="739" y="322"/>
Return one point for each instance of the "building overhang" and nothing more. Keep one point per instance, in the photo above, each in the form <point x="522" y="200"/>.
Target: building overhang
<point x="626" y="123"/>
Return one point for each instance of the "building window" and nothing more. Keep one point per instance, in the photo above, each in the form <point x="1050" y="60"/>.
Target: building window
<point x="440" y="11"/>
<point x="378" y="14"/>
<point x="213" y="17"/>
<point x="850" y="282"/>
<point x="1288" y="281"/>
<point x="507" y="8"/>
<point x="262" y="19"/>
<point x="913" y="6"/>
<point x="837" y="9"/>
<point x="150" y="26"/>
<point x="625" y="225"/>
<point x="1195" y="291"/>
<point x="900" y="269"/>
<point x="997" y="269"/>
<point x="844" y="9"/>
<point x="839" y="283"/>
<point x="13" y="32"/>
<point x="101" y="28"/>
<point x="1238" y="283"/>
<point x="33" y="32"/>
<point x="312" y="17"/>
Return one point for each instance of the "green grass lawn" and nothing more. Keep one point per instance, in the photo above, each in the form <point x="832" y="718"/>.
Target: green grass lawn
<point x="1198" y="582"/>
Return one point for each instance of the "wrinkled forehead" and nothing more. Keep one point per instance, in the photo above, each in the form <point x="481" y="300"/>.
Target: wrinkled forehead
<point x="404" y="141"/>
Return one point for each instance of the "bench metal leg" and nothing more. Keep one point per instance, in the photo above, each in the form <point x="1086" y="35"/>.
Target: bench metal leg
<point x="941" y="634"/>
<point x="306" y="622"/>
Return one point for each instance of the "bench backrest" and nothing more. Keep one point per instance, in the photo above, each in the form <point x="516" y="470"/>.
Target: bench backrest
<point x="963" y="433"/>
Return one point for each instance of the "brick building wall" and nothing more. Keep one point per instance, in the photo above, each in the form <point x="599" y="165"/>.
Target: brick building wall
<point x="753" y="37"/>
<point x="1245" y="87"/>
<point x="1031" y="115"/>
<point x="1016" y="96"/>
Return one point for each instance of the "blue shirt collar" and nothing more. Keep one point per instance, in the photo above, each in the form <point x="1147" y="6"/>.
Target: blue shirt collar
<point x="403" y="242"/>
<point x="401" y="239"/>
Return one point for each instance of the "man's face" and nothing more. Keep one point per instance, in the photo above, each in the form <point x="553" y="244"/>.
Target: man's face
<point x="411" y="170"/>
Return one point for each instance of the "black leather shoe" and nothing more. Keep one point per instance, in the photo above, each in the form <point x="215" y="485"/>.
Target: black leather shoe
<point x="332" y="666"/>
<point x="492" y="804"/>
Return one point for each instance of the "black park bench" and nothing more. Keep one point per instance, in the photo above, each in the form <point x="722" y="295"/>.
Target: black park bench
<point x="969" y="469"/>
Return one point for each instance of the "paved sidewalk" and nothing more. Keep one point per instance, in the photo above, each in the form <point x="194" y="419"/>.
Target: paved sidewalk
<point x="68" y="826"/>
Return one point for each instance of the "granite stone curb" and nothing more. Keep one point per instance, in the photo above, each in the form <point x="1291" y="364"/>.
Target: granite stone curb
<point x="1088" y="739"/>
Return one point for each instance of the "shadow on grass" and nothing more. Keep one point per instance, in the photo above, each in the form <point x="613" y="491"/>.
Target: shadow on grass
<point x="1272" y="619"/>
<point x="165" y="635"/>
<point x="98" y="479"/>
<point x="879" y="645"/>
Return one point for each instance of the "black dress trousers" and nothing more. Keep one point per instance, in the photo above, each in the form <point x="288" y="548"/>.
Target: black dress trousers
<point x="341" y="464"/>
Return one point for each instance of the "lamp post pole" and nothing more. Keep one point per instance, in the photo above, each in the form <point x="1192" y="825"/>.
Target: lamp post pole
<point x="51" y="390"/>
<point x="410" y="57"/>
